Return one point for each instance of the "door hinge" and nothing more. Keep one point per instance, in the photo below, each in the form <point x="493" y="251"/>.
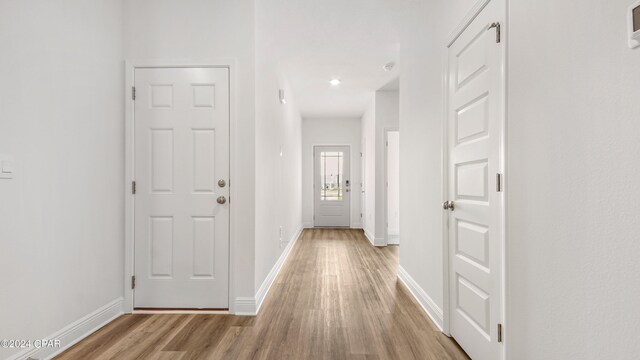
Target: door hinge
<point x="499" y="333"/>
<point x="496" y="25"/>
<point x="361" y="215"/>
<point x="133" y="282"/>
<point x="133" y="93"/>
<point x="499" y="182"/>
<point x="387" y="143"/>
<point x="133" y="187"/>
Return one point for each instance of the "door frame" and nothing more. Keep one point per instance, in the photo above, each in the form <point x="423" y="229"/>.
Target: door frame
<point x="313" y="180"/>
<point x="454" y="35"/>
<point x="386" y="176"/>
<point x="129" y="171"/>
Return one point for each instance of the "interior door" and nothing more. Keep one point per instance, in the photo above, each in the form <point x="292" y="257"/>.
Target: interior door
<point x="332" y="186"/>
<point x="182" y="176"/>
<point x="475" y="206"/>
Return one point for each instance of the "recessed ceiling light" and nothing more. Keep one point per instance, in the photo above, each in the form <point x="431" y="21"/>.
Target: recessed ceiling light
<point x="389" y="66"/>
<point x="335" y="82"/>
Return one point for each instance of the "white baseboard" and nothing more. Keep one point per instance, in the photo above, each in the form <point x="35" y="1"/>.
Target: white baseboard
<point x="352" y="226"/>
<point x="369" y="237"/>
<point x="393" y="240"/>
<point x="427" y="304"/>
<point x="374" y="240"/>
<point x="245" y="306"/>
<point x="251" y="306"/>
<point x="76" y="331"/>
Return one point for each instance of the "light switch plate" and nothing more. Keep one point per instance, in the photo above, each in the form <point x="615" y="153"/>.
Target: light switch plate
<point x="7" y="167"/>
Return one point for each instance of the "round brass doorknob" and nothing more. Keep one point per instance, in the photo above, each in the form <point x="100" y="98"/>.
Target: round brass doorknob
<point x="222" y="200"/>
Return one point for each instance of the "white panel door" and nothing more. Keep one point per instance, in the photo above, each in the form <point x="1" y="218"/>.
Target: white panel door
<point x="332" y="186"/>
<point x="182" y="174"/>
<point x="476" y="130"/>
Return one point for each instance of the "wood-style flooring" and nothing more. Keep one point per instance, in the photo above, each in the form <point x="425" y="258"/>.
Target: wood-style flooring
<point x="337" y="297"/>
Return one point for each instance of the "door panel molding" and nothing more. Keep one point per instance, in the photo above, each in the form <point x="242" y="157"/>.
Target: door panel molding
<point x="130" y="67"/>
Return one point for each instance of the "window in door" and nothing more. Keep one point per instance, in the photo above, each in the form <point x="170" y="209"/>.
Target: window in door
<point x="331" y="175"/>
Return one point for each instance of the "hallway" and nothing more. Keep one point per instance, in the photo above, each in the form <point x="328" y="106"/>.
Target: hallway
<point x="337" y="297"/>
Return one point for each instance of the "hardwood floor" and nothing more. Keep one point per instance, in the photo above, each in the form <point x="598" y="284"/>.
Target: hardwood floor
<point x="337" y="297"/>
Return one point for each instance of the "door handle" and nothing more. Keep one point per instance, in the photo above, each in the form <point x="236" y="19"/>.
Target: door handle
<point x="221" y="200"/>
<point x="448" y="205"/>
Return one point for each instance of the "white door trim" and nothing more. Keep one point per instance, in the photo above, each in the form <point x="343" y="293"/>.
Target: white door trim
<point x="462" y="26"/>
<point x="129" y="201"/>
<point x="386" y="176"/>
<point x="313" y="182"/>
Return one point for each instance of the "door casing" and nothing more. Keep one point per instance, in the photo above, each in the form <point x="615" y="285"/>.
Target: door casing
<point x="129" y="198"/>
<point x="468" y="19"/>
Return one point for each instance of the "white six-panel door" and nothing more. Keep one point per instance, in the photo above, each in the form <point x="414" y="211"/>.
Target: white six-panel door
<point x="182" y="175"/>
<point x="332" y="186"/>
<point x="475" y="135"/>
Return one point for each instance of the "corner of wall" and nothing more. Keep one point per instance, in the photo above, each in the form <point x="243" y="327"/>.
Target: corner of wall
<point x="428" y="305"/>
<point x="76" y="331"/>
<point x="250" y="306"/>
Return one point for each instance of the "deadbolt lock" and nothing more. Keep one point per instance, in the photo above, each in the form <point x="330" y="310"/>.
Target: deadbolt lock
<point x="222" y="183"/>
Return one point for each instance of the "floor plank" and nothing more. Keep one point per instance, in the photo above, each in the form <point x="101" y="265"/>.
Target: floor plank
<point x="337" y="297"/>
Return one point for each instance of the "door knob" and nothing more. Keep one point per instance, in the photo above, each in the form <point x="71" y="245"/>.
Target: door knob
<point x="221" y="200"/>
<point x="448" y="205"/>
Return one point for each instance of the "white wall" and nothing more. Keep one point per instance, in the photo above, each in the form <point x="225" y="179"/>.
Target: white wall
<point x="382" y="113"/>
<point x="61" y="118"/>
<point x="368" y="126"/>
<point x="387" y="117"/>
<point x="573" y="175"/>
<point x="278" y="131"/>
<point x="393" y="188"/>
<point x="332" y="131"/>
<point x="200" y="30"/>
<point x="572" y="169"/>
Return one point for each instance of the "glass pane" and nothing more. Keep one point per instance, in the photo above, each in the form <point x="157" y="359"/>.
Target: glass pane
<point x="331" y="163"/>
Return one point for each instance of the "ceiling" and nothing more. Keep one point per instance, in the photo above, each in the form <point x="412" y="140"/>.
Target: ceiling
<point x="314" y="41"/>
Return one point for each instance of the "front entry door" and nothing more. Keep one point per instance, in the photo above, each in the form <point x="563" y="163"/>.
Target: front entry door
<point x="332" y="185"/>
<point x="181" y="198"/>
<point x="475" y="198"/>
